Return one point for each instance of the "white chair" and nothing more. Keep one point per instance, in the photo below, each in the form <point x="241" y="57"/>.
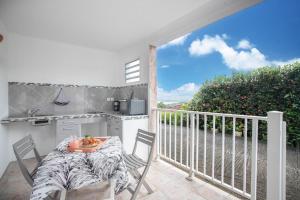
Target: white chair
<point x="21" y="149"/>
<point x="133" y="162"/>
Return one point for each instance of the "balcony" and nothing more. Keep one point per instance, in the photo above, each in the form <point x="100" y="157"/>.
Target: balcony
<point x="202" y="151"/>
<point x="224" y="150"/>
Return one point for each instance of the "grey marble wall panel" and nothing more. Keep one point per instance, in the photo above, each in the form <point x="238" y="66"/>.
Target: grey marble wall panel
<point x="25" y="97"/>
<point x="17" y="97"/>
<point x="97" y="99"/>
<point x="139" y="92"/>
<point x="83" y="99"/>
<point x="76" y="96"/>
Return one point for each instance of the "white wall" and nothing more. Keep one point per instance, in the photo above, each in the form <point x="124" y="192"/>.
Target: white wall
<point x="4" y="158"/>
<point x="43" y="61"/>
<point x="140" y="51"/>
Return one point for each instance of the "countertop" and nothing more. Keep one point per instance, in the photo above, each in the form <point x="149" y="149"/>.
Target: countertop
<point x="113" y="115"/>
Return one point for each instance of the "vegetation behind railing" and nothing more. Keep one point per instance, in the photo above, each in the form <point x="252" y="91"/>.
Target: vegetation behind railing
<point x="255" y="93"/>
<point x="240" y="123"/>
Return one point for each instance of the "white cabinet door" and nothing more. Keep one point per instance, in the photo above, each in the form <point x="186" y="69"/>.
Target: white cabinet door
<point x="96" y="127"/>
<point x="114" y="127"/>
<point x="66" y="128"/>
<point x="130" y="128"/>
<point x="127" y="130"/>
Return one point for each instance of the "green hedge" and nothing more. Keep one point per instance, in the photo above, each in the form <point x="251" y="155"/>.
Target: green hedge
<point x="178" y="118"/>
<point x="255" y="93"/>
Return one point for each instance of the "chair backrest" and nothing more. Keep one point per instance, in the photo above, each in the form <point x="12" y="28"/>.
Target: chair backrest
<point x="21" y="149"/>
<point x="146" y="138"/>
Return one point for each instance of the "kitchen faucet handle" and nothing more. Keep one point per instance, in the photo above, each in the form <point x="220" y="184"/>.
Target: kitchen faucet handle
<point x="32" y="111"/>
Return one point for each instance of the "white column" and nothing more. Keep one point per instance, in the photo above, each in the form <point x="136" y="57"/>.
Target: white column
<point x="152" y="94"/>
<point x="275" y="157"/>
<point x="152" y="88"/>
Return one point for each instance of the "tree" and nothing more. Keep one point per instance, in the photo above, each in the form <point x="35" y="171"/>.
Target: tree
<point x="255" y="93"/>
<point x="161" y="105"/>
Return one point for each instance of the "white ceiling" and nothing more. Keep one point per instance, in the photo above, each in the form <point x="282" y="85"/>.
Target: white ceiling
<point x="105" y="24"/>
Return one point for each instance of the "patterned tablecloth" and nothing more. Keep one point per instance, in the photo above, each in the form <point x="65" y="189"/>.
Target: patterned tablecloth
<point x="61" y="169"/>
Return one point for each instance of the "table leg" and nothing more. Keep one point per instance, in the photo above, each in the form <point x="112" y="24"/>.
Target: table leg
<point x="112" y="183"/>
<point x="63" y="194"/>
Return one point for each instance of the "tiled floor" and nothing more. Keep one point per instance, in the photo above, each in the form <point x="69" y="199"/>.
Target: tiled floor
<point x="167" y="182"/>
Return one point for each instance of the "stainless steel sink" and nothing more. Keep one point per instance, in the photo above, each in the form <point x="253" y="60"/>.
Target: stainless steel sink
<point x="43" y="115"/>
<point x="95" y="112"/>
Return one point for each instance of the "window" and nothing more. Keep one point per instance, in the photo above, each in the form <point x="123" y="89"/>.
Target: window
<point x="132" y="71"/>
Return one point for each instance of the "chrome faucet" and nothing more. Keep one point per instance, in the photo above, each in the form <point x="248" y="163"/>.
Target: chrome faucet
<point x="32" y="112"/>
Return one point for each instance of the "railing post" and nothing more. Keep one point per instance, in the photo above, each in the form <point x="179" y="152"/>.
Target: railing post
<point x="254" y="159"/>
<point x="191" y="148"/>
<point x="275" y="156"/>
<point x="157" y="134"/>
<point x="284" y="160"/>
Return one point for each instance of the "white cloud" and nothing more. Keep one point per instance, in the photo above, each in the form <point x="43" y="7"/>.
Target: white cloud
<point x="278" y="62"/>
<point x="246" y="59"/>
<point x="181" y="94"/>
<point x="244" y="44"/>
<point x="225" y="36"/>
<point x="165" y="66"/>
<point x="175" y="42"/>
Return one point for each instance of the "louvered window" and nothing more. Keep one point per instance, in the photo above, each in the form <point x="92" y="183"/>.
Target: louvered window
<point x="132" y="71"/>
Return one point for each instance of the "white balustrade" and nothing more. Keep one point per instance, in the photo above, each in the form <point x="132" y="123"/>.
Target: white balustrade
<point x="276" y="148"/>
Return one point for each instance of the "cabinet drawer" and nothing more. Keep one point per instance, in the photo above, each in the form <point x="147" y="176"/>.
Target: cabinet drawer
<point x="69" y="121"/>
<point x="69" y="128"/>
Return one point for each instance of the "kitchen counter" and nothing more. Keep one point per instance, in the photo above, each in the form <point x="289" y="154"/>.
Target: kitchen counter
<point x="73" y="116"/>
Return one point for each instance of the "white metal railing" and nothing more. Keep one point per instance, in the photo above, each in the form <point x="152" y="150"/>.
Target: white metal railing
<point x="276" y="133"/>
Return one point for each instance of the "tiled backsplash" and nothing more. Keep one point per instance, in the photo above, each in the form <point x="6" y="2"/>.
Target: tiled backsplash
<point x="83" y="99"/>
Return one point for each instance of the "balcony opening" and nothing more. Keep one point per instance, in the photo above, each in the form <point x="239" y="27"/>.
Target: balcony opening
<point x="223" y="80"/>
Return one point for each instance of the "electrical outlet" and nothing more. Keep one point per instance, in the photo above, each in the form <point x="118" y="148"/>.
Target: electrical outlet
<point x="112" y="99"/>
<point x="107" y="99"/>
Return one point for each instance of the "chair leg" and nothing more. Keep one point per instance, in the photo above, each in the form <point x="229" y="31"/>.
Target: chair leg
<point x="148" y="188"/>
<point x="136" y="191"/>
<point x="134" y="174"/>
<point x="146" y="185"/>
<point x="130" y="189"/>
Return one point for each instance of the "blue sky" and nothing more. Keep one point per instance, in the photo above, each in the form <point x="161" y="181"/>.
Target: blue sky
<point x="265" y="34"/>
